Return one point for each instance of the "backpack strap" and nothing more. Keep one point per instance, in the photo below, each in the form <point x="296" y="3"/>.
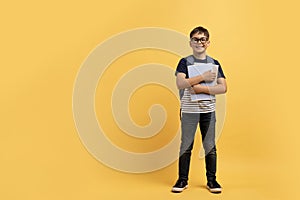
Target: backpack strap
<point x="190" y="60"/>
<point x="210" y="60"/>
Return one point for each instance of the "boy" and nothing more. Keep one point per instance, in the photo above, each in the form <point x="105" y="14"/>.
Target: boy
<point x="202" y="111"/>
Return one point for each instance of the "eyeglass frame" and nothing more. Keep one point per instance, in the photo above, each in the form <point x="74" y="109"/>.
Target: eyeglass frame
<point x="196" y="40"/>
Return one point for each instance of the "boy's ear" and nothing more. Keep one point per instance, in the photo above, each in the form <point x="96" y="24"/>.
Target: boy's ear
<point x="190" y="43"/>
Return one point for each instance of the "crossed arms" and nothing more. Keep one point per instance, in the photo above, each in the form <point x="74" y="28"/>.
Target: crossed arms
<point x="196" y="88"/>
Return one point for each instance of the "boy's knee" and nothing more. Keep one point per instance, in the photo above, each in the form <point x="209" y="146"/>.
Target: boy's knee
<point x="211" y="150"/>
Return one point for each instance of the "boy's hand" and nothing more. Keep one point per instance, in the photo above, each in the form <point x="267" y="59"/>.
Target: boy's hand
<point x="209" y="76"/>
<point x="196" y="89"/>
<point x="192" y="91"/>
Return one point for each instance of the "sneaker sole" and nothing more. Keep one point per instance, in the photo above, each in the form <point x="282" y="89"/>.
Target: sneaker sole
<point x="214" y="190"/>
<point x="178" y="190"/>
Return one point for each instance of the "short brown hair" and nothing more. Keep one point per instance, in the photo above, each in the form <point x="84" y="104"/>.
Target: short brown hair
<point x="199" y="29"/>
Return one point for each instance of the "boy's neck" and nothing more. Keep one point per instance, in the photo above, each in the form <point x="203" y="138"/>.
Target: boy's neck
<point x="200" y="56"/>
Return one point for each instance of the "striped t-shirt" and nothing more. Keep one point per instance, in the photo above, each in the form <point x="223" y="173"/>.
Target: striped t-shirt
<point x="202" y="106"/>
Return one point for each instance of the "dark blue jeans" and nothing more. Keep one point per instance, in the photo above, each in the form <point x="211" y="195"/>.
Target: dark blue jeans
<point x="189" y="124"/>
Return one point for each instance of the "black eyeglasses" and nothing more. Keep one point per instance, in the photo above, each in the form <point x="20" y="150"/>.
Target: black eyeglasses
<point x="197" y="40"/>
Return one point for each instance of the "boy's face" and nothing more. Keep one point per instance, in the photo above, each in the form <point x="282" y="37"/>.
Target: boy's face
<point x="199" y="43"/>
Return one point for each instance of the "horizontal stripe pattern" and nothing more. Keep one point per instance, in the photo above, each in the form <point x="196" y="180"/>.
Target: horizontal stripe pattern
<point x="188" y="106"/>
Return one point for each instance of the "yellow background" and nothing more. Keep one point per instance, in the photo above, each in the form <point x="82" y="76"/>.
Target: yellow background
<point x="43" y="44"/>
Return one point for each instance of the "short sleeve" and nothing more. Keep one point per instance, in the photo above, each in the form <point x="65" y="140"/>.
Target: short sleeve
<point x="182" y="67"/>
<point x="220" y="70"/>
